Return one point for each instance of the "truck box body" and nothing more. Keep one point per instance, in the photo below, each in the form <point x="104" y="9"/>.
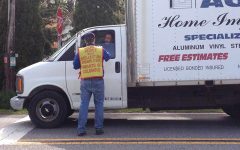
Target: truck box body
<point x="183" y="42"/>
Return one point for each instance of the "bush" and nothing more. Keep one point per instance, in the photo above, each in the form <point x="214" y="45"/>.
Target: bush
<point x="5" y="99"/>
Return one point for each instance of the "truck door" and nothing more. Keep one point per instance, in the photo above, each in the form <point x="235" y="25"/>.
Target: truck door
<point x="110" y="40"/>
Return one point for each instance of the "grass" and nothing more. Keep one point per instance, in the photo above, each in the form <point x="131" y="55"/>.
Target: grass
<point x="12" y="112"/>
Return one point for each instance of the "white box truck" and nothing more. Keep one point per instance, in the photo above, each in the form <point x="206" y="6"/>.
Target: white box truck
<point x="170" y="54"/>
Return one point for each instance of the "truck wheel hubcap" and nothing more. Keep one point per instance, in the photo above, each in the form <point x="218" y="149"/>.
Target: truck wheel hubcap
<point x="47" y="109"/>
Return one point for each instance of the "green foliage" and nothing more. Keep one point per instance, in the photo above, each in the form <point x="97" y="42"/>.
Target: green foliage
<point x="90" y="13"/>
<point x="48" y="14"/>
<point x="49" y="11"/>
<point x="3" y="33"/>
<point x="50" y="35"/>
<point x="5" y="99"/>
<point x="29" y="36"/>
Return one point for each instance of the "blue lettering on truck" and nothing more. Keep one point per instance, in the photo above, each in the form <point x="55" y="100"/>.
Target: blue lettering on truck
<point x="222" y="36"/>
<point x="224" y="19"/>
<point x="219" y="3"/>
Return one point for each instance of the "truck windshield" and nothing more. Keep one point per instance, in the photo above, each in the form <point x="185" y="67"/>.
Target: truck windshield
<point x="56" y="54"/>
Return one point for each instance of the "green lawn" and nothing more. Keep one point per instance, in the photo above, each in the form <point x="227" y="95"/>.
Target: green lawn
<point x="12" y="112"/>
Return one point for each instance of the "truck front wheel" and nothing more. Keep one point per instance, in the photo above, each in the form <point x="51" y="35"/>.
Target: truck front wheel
<point x="233" y="111"/>
<point x="48" y="109"/>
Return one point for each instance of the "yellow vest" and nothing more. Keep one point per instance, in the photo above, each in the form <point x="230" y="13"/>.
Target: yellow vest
<point x="91" y="60"/>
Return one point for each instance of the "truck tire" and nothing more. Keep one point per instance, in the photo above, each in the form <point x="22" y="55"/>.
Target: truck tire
<point x="70" y="112"/>
<point x="233" y="111"/>
<point x="48" y="109"/>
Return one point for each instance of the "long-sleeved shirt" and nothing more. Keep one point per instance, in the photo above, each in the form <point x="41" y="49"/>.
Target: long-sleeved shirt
<point x="76" y="62"/>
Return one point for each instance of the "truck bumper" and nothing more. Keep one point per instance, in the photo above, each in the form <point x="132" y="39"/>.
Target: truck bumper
<point x="17" y="103"/>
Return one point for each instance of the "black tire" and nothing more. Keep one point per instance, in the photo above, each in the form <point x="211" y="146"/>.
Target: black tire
<point x="48" y="109"/>
<point x="70" y="112"/>
<point x="233" y="111"/>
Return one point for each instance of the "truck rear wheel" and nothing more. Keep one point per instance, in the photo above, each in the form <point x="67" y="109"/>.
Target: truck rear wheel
<point x="233" y="111"/>
<point x="48" y="109"/>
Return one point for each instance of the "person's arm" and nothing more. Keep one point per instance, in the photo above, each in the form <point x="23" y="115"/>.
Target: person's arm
<point x="76" y="62"/>
<point x="106" y="55"/>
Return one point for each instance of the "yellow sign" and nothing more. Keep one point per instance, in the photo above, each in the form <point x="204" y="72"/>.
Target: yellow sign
<point x="91" y="59"/>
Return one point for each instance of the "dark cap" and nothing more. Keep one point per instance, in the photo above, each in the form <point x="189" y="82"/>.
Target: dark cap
<point x="89" y="36"/>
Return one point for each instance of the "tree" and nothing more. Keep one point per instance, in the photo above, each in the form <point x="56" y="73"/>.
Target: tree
<point x="90" y="13"/>
<point x="3" y="34"/>
<point x="29" y="41"/>
<point x="48" y="12"/>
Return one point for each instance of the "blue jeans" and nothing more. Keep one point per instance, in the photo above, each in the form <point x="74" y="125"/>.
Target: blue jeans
<point x="91" y="87"/>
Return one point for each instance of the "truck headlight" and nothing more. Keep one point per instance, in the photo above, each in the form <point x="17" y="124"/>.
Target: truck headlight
<point x="19" y="84"/>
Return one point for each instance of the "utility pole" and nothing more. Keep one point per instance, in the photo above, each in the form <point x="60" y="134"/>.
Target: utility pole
<point x="9" y="57"/>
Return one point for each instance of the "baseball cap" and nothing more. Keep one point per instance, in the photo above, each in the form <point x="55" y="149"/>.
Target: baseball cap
<point x="89" y="36"/>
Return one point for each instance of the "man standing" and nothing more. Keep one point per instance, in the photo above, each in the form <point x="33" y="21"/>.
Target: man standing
<point x="90" y="60"/>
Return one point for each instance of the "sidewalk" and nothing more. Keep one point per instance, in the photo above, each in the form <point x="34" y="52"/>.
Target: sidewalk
<point x="9" y="119"/>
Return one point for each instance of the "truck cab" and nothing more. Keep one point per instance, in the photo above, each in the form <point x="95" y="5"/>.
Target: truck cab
<point x="50" y="89"/>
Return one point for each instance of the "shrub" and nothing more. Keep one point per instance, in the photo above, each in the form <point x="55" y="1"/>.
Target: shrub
<point x="5" y="97"/>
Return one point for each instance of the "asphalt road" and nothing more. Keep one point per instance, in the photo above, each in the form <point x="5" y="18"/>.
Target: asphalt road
<point x="137" y="132"/>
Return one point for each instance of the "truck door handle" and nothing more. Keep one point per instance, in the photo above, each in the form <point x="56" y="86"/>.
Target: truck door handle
<point x="117" y="67"/>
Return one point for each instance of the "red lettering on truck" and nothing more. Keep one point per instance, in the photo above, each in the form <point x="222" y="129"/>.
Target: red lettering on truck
<point x="169" y="58"/>
<point x="193" y="57"/>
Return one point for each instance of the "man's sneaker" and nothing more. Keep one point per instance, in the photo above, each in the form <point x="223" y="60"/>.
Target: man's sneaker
<point x="99" y="131"/>
<point x="82" y="134"/>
